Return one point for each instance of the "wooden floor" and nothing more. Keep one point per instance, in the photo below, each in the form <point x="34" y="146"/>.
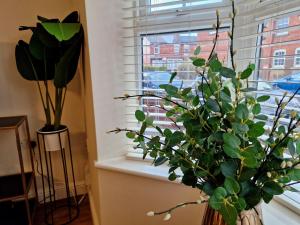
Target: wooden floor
<point x="84" y="218"/>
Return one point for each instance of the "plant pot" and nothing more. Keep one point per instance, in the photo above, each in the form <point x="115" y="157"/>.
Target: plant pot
<point x="54" y="140"/>
<point x="247" y="217"/>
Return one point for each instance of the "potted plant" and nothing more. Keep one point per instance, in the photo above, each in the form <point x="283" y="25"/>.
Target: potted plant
<point x="221" y="143"/>
<point x="51" y="58"/>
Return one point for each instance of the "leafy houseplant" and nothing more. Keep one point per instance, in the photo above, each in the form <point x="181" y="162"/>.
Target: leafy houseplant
<point x="51" y="55"/>
<point x="220" y="147"/>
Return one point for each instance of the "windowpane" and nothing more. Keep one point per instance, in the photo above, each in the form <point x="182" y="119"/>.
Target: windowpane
<point x="175" y="52"/>
<point x="279" y="50"/>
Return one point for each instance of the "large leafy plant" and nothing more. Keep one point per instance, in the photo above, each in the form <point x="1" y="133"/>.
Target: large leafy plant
<point x="51" y="55"/>
<point x="225" y="146"/>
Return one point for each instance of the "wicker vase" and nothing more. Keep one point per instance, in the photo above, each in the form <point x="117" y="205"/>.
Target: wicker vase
<point x="249" y="217"/>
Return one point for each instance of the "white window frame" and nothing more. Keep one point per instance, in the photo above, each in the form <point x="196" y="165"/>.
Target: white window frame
<point x="181" y="5"/>
<point x="275" y="58"/>
<point x="297" y="57"/>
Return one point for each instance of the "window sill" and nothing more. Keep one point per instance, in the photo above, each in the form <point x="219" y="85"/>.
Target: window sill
<point x="135" y="166"/>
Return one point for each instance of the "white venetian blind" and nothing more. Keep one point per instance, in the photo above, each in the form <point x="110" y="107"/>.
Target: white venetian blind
<point x="159" y="38"/>
<point x="268" y="34"/>
<point x="161" y="35"/>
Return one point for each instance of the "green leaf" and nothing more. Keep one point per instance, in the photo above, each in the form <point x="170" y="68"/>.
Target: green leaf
<point x="242" y="112"/>
<point x="212" y="105"/>
<point x="197" y="50"/>
<point x="247" y="174"/>
<point x="240" y="204"/>
<point x="231" y="152"/>
<point x="246" y="73"/>
<point x="62" y="31"/>
<point x="231" y="140"/>
<point x="196" y="100"/>
<point x="186" y="91"/>
<point x="170" y="89"/>
<point x="272" y="188"/>
<point x="66" y="68"/>
<point x="229" y="168"/>
<point x="199" y="62"/>
<point x="294" y="174"/>
<point x="298" y="147"/>
<point x="149" y="120"/>
<point x="227" y="72"/>
<point x="256" y="130"/>
<point x="249" y="159"/>
<point x="261" y="117"/>
<point x="130" y="135"/>
<point x="173" y="75"/>
<point x="143" y="128"/>
<point x="215" y="65"/>
<point x="256" y="109"/>
<point x="29" y="67"/>
<point x="231" y="185"/>
<point x="263" y="98"/>
<point x="172" y="176"/>
<point x="229" y="213"/>
<point x="240" y="128"/>
<point x="250" y="89"/>
<point x="160" y="160"/>
<point x="140" y="115"/>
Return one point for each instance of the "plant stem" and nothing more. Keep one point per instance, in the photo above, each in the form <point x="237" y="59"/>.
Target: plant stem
<point x="151" y="95"/>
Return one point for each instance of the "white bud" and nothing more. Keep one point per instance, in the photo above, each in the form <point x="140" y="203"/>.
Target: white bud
<point x="218" y="12"/>
<point x="283" y="164"/>
<point x="231" y="15"/>
<point x="199" y="201"/>
<point x="167" y="217"/>
<point x="151" y="213"/>
<point x="182" y="205"/>
<point x="297" y="166"/>
<point x="269" y="174"/>
<point x="289" y="164"/>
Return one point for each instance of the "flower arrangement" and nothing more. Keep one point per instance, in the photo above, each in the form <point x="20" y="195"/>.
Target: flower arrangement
<point x="226" y="147"/>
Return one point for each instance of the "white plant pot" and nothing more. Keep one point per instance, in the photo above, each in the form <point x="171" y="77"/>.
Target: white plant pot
<point x="54" y="140"/>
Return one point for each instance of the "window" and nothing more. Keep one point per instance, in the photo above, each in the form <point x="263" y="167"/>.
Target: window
<point x="297" y="58"/>
<point x="176" y="48"/>
<point x="282" y="23"/>
<point x="156" y="50"/>
<point x="162" y="5"/>
<point x="279" y="58"/>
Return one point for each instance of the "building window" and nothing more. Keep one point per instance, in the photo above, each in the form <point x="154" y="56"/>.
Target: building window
<point x="279" y="58"/>
<point x="297" y="58"/>
<point x="176" y="48"/>
<point x="282" y="23"/>
<point x="157" y="50"/>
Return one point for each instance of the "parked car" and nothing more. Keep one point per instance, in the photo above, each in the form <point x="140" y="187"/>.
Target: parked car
<point x="283" y="83"/>
<point x="152" y="80"/>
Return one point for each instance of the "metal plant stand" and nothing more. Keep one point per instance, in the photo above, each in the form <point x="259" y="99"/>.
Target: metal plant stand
<point x="68" y="207"/>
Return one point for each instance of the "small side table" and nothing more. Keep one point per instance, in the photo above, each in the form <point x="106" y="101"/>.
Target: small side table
<point x="17" y="186"/>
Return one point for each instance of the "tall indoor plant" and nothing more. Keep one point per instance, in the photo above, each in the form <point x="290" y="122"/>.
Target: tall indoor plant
<point x="51" y="58"/>
<point x="51" y="55"/>
<point x="226" y="147"/>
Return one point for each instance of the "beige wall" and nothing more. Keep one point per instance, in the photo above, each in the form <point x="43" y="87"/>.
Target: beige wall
<point x="125" y="199"/>
<point x="20" y="97"/>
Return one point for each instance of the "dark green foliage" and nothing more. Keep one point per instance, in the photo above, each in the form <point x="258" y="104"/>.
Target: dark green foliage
<point x="51" y="55"/>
